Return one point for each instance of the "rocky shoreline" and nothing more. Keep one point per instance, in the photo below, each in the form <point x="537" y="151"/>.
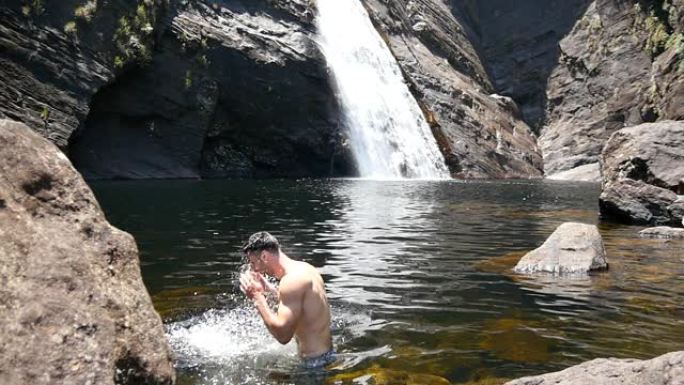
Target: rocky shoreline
<point x="73" y="306"/>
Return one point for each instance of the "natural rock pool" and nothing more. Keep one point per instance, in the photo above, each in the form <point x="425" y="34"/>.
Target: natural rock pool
<point x="418" y="274"/>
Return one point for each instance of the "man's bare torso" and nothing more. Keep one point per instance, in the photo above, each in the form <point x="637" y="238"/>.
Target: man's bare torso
<point x="313" y="327"/>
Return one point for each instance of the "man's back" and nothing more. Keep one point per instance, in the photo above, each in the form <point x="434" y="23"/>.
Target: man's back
<point x="313" y="327"/>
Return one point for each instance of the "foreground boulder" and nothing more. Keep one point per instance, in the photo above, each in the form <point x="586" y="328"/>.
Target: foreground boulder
<point x="643" y="171"/>
<point x="667" y="369"/>
<point x="73" y="307"/>
<point x="572" y="248"/>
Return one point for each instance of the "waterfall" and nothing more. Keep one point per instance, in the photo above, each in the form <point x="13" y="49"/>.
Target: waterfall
<point x="388" y="133"/>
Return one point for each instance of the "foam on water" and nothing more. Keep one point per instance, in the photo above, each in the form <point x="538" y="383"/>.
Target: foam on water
<point x="232" y="346"/>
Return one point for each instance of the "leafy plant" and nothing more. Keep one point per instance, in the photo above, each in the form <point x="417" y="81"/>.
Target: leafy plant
<point x="86" y="11"/>
<point x="34" y="7"/>
<point x="70" y="28"/>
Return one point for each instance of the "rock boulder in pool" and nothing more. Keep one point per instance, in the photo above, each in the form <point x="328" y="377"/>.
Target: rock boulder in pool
<point x="643" y="171"/>
<point x="73" y="307"/>
<point x="573" y="248"/>
<point x="667" y="369"/>
<point x="665" y="232"/>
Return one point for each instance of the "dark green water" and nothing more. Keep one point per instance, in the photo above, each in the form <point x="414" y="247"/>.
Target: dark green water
<point x="417" y="273"/>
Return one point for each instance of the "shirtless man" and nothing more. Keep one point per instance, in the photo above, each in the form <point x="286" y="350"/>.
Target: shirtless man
<point x="303" y="310"/>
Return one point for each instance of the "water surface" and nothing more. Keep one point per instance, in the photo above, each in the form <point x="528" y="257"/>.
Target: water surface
<point x="418" y="274"/>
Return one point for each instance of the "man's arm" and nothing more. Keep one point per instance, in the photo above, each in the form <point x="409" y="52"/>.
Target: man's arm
<point x="282" y="324"/>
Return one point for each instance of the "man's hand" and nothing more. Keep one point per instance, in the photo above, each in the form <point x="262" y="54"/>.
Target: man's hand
<point x="250" y="285"/>
<point x="268" y="286"/>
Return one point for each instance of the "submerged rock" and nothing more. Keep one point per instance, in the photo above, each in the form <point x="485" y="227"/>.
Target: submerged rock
<point x="572" y="248"/>
<point x="662" y="232"/>
<point x="667" y="369"/>
<point x="643" y="171"/>
<point x="73" y="307"/>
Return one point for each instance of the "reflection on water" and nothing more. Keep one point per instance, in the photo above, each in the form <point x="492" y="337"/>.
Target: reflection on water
<point x="418" y="274"/>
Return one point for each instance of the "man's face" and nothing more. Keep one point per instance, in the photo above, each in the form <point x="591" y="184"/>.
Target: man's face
<point x="256" y="261"/>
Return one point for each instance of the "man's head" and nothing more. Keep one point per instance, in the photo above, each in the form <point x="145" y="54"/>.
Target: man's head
<point x="261" y="249"/>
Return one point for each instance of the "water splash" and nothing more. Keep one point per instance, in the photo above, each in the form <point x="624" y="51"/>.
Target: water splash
<point x="232" y="346"/>
<point x="389" y="135"/>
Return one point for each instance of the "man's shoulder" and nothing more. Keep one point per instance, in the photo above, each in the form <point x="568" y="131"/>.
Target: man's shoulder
<point x="304" y="274"/>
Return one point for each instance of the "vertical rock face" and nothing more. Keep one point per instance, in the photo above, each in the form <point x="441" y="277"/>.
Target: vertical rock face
<point x="480" y="134"/>
<point x="57" y="54"/>
<point x="236" y="88"/>
<point x="73" y="307"/>
<point x="621" y="65"/>
<point x="643" y="173"/>
<point x="519" y="44"/>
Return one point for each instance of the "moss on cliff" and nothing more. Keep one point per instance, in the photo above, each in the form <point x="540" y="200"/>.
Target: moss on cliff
<point x="659" y="18"/>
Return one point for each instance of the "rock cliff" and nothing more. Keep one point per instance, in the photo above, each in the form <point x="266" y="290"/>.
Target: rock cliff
<point x="481" y="134"/>
<point x="621" y="65"/>
<point x="73" y="306"/>
<point x="236" y="88"/>
<point x="171" y="88"/>
<point x="57" y="55"/>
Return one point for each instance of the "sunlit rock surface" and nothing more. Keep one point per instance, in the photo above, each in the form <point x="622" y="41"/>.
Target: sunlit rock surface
<point x="667" y="369"/>
<point x="73" y="307"/>
<point x="643" y="171"/>
<point x="586" y="173"/>
<point x="662" y="232"/>
<point x="572" y="248"/>
<point x="619" y="66"/>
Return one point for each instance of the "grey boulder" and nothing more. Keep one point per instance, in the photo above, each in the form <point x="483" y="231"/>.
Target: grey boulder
<point x="643" y="171"/>
<point x="667" y="369"/>
<point x="73" y="306"/>
<point x="572" y="248"/>
<point x="662" y="232"/>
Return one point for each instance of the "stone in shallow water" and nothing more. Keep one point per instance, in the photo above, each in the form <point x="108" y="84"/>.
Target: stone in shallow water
<point x="573" y="248"/>
<point x="662" y="232"/>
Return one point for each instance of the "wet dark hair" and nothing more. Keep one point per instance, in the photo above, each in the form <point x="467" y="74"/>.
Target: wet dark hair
<point x="261" y="241"/>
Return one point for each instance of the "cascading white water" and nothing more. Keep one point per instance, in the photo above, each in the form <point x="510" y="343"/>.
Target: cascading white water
<point x="389" y="135"/>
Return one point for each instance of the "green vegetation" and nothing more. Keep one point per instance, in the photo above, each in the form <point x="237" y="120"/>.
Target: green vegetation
<point x="33" y="7"/>
<point x="45" y="114"/>
<point x="188" y="79"/>
<point x="133" y="36"/>
<point x="70" y="28"/>
<point x="86" y="11"/>
<point x="660" y="16"/>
